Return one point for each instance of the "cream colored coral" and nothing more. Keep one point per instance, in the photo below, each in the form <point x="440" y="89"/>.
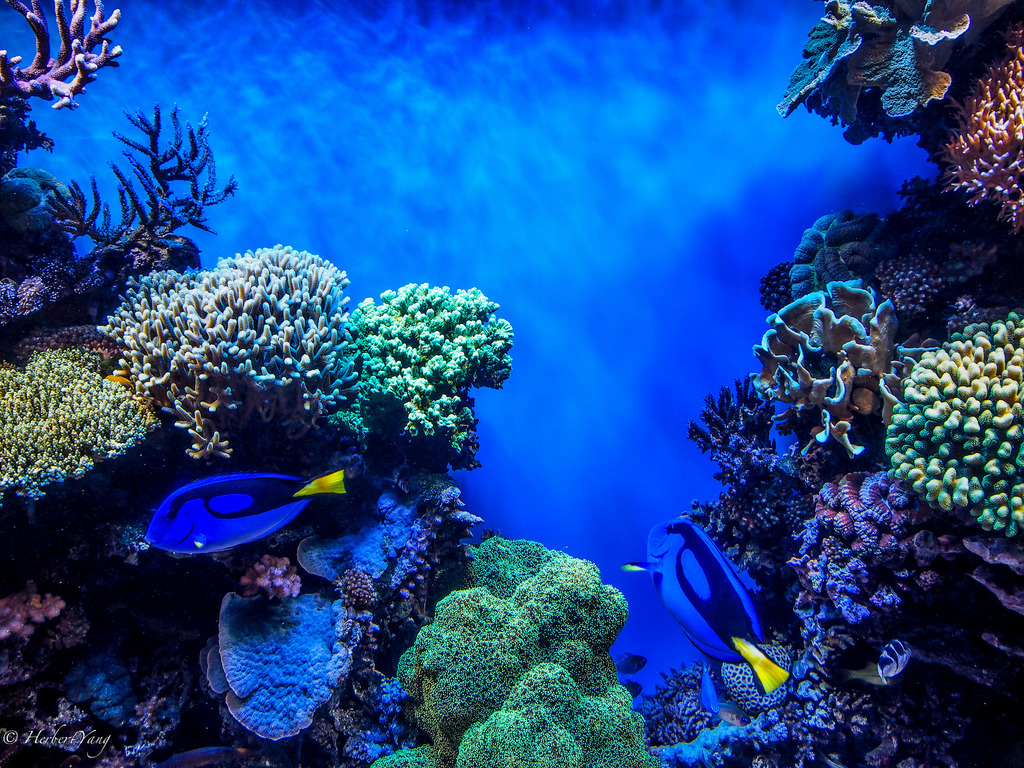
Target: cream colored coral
<point x="261" y="335"/>
<point x="985" y="155"/>
<point x="58" y="417"/>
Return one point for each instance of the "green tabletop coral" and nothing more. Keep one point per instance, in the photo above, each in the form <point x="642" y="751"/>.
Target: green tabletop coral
<point x="423" y="349"/>
<point x="958" y="436"/>
<point x="521" y="674"/>
<point x="58" y="417"/>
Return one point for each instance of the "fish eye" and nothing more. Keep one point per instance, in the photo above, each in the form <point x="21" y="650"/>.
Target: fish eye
<point x="173" y="514"/>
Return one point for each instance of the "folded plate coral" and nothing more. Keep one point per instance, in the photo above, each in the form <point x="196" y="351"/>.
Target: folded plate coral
<point x="58" y="417"/>
<point x="958" y="438"/>
<point x="261" y="335"/>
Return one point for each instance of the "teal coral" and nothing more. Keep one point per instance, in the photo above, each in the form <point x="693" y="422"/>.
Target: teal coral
<point x="422" y="349"/>
<point x="958" y="438"/>
<point x="260" y="336"/>
<point x="528" y="677"/>
<point x="58" y="417"/>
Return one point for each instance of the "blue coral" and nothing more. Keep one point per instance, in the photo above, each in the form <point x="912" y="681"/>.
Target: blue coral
<point x="102" y="680"/>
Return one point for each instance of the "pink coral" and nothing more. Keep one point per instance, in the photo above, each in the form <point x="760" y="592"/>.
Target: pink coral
<point x="985" y="155"/>
<point x="912" y="282"/>
<point x="21" y="612"/>
<point x="47" y="77"/>
<point x="274" y="576"/>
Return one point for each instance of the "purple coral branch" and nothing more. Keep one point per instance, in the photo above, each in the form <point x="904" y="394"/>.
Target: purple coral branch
<point x="47" y="77"/>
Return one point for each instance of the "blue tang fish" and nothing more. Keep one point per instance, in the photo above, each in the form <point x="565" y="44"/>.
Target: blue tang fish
<point x="220" y="512"/>
<point x="703" y="591"/>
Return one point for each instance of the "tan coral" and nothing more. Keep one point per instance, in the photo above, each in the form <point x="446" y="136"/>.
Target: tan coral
<point x="261" y="335"/>
<point x="985" y="155"/>
<point x="834" y="351"/>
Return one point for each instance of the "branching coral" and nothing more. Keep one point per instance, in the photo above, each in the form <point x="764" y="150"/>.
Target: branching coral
<point x="985" y="155"/>
<point x="58" y="417"/>
<point x="77" y="59"/>
<point x="958" y="438"/>
<point x="896" y="47"/>
<point x="911" y="281"/>
<point x="273" y="576"/>
<point x="261" y="334"/>
<point x="23" y="611"/>
<point x="422" y="350"/>
<point x="835" y="351"/>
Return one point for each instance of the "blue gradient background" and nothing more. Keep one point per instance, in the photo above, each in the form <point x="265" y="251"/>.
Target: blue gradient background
<point x="617" y="179"/>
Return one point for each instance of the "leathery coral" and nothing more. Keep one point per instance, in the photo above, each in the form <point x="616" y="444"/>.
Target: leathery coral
<point x="833" y="350"/>
<point x="260" y="335"/>
<point x="985" y="155"/>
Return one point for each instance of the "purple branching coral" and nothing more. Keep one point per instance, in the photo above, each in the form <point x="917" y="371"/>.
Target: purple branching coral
<point x="76" y="59"/>
<point x="273" y="576"/>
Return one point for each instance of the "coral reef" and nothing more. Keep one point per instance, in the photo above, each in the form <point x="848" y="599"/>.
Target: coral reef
<point x="272" y="576"/>
<point x="23" y="611"/>
<point x="261" y="335"/>
<point x="956" y="437"/>
<point x="911" y="282"/>
<point x="422" y="350"/>
<point x="836" y="248"/>
<point x="528" y="676"/>
<point x="985" y="155"/>
<point x="58" y="417"/>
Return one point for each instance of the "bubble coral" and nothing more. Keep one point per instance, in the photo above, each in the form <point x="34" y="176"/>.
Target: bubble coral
<point x="58" y="417"/>
<point x="260" y="335"/>
<point x="985" y="154"/>
<point x="423" y="348"/>
<point x="832" y="350"/>
<point x="958" y="438"/>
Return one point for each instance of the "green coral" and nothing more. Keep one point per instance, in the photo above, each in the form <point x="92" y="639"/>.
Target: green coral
<point x="59" y="416"/>
<point x="522" y="675"/>
<point x="958" y="438"/>
<point x="422" y="350"/>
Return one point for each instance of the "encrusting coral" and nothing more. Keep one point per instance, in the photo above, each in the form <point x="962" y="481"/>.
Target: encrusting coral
<point x="832" y="350"/>
<point x="59" y="416"/>
<point x="985" y="155"/>
<point x="423" y="348"/>
<point x="260" y="335"/>
<point x="958" y="438"/>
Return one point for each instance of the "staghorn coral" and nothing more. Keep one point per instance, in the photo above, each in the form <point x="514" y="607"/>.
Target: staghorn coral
<point x="985" y="154"/>
<point x="958" y="437"/>
<point x="47" y="77"/>
<point x="58" y="417"/>
<point x="898" y="48"/>
<point x="260" y="335"/>
<point x="422" y="350"/>
<point x="834" y="351"/>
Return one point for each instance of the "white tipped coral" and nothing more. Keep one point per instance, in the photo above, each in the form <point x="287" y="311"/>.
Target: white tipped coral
<point x="261" y="334"/>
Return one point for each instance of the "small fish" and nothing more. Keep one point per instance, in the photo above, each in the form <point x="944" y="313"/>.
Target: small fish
<point x="196" y="758"/>
<point x="117" y="379"/>
<point x="220" y="512"/>
<point x="893" y="660"/>
<point x="629" y="663"/>
<point x="703" y="591"/>
<point x="634" y="688"/>
<point x="725" y="711"/>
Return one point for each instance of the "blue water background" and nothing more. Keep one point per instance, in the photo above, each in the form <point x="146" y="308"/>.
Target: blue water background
<point x="617" y="179"/>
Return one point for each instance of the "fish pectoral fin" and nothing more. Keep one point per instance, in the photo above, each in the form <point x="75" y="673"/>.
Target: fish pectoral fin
<point x="199" y="540"/>
<point x="332" y="482"/>
<point x="769" y="674"/>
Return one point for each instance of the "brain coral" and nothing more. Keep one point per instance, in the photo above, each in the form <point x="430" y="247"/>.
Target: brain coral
<point x="985" y="155"/>
<point x="58" y="417"/>
<point x="525" y="679"/>
<point x="833" y="350"/>
<point x="957" y="438"/>
<point x="422" y="350"/>
<point x="261" y="334"/>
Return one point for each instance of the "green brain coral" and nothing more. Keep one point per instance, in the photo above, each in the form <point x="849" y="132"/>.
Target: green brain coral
<point x="422" y="349"/>
<point x="959" y="436"/>
<point x="522" y="675"/>
<point x="58" y="417"/>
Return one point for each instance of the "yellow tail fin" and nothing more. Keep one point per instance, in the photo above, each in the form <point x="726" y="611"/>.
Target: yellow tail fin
<point x="332" y="482"/>
<point x="768" y="672"/>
